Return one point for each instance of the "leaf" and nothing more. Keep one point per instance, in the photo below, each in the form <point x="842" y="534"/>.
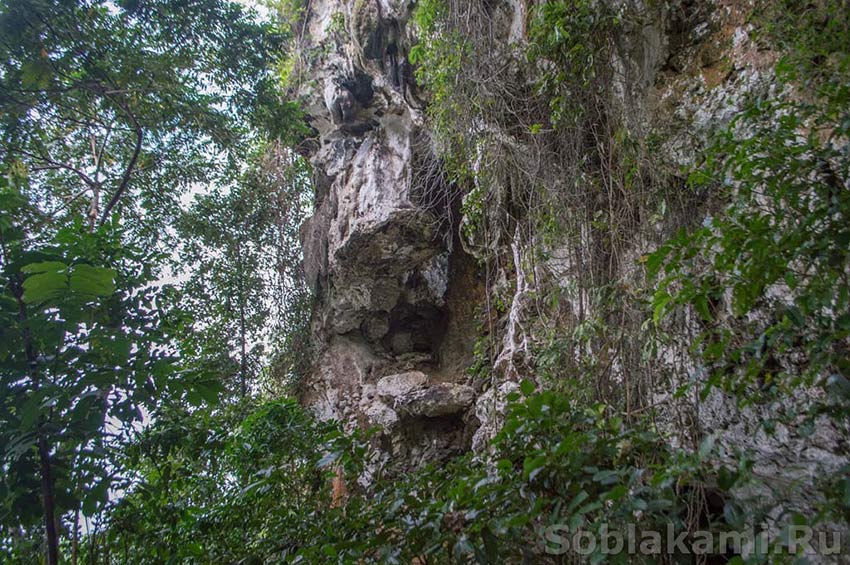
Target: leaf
<point x="606" y="477"/>
<point x="659" y="302"/>
<point x="491" y="545"/>
<point x="654" y="260"/>
<point x="328" y="459"/>
<point x="793" y="313"/>
<point x="47" y="280"/>
<point x="532" y="466"/>
<point x="209" y="390"/>
<point x="36" y="74"/>
<point x="733" y="514"/>
<point x="19" y="445"/>
<point x="30" y="411"/>
<point x="527" y="387"/>
<point x="95" y="497"/>
<point x="700" y="302"/>
<point x="577" y="499"/>
<point x="726" y="479"/>
<point x="94" y="281"/>
<point x="329" y="550"/>
<point x="44" y="267"/>
<point x="120" y="347"/>
<point x="616" y="493"/>
<point x="590" y="507"/>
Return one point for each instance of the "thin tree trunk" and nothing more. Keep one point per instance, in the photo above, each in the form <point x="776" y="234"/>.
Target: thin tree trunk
<point x="47" y="499"/>
<point x="75" y="541"/>
<point x="244" y="364"/>
<point x="48" y="502"/>
<point x="93" y="545"/>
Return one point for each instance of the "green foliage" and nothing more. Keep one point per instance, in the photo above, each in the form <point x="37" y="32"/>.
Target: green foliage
<point x="53" y="279"/>
<point x="473" y="210"/>
<point x="552" y="463"/>
<point x="111" y="387"/>
<point x="86" y="352"/>
<point x="572" y="42"/>
<point x="288" y="13"/>
<point x="125" y="105"/>
<point x="220" y="486"/>
<point x="428" y="14"/>
<point x="106" y="107"/>
<point x="440" y="56"/>
<point x="246" y="289"/>
<point x="768" y="275"/>
<point x="814" y="38"/>
<point x="337" y="25"/>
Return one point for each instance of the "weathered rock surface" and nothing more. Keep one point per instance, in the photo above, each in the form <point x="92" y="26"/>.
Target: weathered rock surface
<point x="435" y="401"/>
<point x="380" y="250"/>
<point x="394" y="386"/>
<point x="490" y="410"/>
<point x="399" y="299"/>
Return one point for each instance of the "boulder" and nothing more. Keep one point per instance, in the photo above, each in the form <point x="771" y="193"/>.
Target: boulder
<point x="437" y="400"/>
<point x="393" y="386"/>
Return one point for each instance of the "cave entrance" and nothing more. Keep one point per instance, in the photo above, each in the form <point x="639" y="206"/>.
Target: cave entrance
<point x="414" y="329"/>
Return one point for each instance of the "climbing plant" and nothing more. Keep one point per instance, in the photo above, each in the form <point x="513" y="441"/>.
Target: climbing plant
<point x="767" y="275"/>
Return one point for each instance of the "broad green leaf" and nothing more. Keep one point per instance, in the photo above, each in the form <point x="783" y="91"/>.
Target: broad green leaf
<point x="46" y="281"/>
<point x="30" y="411"/>
<point x="654" y="261"/>
<point x="95" y="497"/>
<point x="606" y="477"/>
<point x="659" y="302"/>
<point x="532" y="466"/>
<point x="209" y="390"/>
<point x="44" y="267"/>
<point x="94" y="281"/>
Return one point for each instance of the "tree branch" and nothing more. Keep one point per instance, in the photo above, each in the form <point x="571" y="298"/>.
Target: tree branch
<point x="128" y="172"/>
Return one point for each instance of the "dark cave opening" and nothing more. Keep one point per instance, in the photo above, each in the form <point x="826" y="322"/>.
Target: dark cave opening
<point x="414" y="329"/>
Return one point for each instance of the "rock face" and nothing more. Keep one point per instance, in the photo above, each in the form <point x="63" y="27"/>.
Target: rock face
<point x="381" y="251"/>
<point x="400" y="302"/>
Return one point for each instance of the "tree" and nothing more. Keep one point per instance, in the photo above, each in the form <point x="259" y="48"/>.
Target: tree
<point x="128" y="104"/>
<point x="86" y="354"/>
<point x="104" y="107"/>
<point x="241" y="245"/>
<point x="228" y="485"/>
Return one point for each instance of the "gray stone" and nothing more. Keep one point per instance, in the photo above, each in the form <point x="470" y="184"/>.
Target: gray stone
<point x="393" y="386"/>
<point x="379" y="414"/>
<point x="443" y="399"/>
<point x="490" y="412"/>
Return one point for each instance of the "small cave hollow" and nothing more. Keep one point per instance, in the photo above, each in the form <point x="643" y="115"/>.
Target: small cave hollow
<point x="414" y="329"/>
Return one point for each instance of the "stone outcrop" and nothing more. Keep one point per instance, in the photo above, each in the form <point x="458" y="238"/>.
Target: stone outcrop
<point x="380" y="251"/>
<point x="399" y="300"/>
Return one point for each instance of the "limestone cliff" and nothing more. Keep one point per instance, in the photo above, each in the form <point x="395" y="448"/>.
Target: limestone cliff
<point x="397" y="294"/>
<point x="407" y="283"/>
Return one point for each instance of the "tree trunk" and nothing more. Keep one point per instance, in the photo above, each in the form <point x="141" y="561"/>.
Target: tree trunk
<point x="48" y="502"/>
<point x="243" y="369"/>
<point x="243" y="362"/>
<point x="75" y="541"/>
